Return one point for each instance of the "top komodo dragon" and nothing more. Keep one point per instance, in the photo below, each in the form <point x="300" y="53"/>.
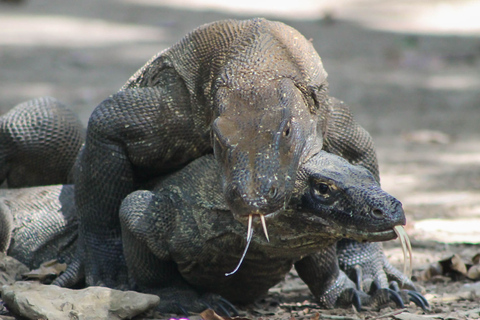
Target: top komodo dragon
<point x="42" y="222"/>
<point x="253" y="92"/>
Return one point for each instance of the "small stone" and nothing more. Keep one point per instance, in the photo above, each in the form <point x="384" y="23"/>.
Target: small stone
<point x="474" y="272"/>
<point x="471" y="287"/>
<point x="36" y="301"/>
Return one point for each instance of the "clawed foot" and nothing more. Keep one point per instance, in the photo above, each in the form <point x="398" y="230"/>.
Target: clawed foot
<point x="411" y="295"/>
<point x="377" y="296"/>
<point x="368" y="267"/>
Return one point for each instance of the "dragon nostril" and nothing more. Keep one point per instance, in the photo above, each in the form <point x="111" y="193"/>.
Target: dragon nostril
<point x="377" y="213"/>
<point x="272" y="193"/>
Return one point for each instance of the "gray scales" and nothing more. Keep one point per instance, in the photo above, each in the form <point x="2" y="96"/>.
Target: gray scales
<point x="252" y="92"/>
<point x="124" y="129"/>
<point x="185" y="221"/>
<point x="181" y="238"/>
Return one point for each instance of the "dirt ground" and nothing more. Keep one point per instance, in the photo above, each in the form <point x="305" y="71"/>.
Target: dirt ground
<point x="409" y="69"/>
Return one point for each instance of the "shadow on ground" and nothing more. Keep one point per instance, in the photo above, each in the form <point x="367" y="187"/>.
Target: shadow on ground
<point x="398" y="81"/>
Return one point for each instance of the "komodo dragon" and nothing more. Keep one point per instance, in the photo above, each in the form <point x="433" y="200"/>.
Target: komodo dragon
<point x="181" y="238"/>
<point x="39" y="143"/>
<point x="43" y="224"/>
<point x="38" y="224"/>
<point x="253" y="92"/>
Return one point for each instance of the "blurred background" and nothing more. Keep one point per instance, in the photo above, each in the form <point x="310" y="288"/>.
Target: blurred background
<point x="410" y="70"/>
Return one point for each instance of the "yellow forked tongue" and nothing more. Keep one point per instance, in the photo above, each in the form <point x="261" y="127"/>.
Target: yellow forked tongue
<point x="402" y="235"/>
<point x="249" y="239"/>
<point x="264" y="226"/>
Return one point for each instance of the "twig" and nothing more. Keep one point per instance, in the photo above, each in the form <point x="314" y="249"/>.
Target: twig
<point x="330" y="317"/>
<point x="389" y="314"/>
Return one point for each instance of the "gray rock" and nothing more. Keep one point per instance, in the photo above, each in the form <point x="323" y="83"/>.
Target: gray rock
<point x="11" y="269"/>
<point x="474" y="288"/>
<point x="36" y="301"/>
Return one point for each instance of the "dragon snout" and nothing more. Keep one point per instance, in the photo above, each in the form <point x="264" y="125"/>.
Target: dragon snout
<point x="264" y="201"/>
<point x="390" y="212"/>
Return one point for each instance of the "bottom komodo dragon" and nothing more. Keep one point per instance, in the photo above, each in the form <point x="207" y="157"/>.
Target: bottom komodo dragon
<point x="180" y="239"/>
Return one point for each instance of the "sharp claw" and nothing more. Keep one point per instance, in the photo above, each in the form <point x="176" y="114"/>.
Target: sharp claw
<point x="419" y="300"/>
<point x="394" y="286"/>
<point x="182" y="310"/>
<point x="396" y="298"/>
<point x="358" y="276"/>
<point x="264" y="226"/>
<point x="224" y="310"/>
<point x="374" y="287"/>
<point x="205" y="303"/>
<point x="231" y="306"/>
<point x="356" y="301"/>
<point x="414" y="296"/>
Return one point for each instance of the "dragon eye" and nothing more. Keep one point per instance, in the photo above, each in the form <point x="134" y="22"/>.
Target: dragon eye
<point x="287" y="130"/>
<point x="322" y="188"/>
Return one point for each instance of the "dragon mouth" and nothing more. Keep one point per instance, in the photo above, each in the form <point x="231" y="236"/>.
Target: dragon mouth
<point x="370" y="236"/>
<point x="349" y="233"/>
<point x="338" y="229"/>
<point x="396" y="231"/>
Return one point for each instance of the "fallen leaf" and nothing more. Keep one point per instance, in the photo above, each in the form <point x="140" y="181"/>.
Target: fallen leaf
<point x="209" y="314"/>
<point x="476" y="259"/>
<point x="47" y="271"/>
<point x="454" y="267"/>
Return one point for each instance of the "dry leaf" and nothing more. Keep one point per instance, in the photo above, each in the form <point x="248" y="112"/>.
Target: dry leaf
<point x="454" y="267"/>
<point x="476" y="259"/>
<point x="47" y="271"/>
<point x="209" y="314"/>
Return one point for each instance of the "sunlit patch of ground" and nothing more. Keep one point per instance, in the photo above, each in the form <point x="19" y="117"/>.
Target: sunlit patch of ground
<point x="32" y="30"/>
<point x="404" y="67"/>
<point x="423" y="16"/>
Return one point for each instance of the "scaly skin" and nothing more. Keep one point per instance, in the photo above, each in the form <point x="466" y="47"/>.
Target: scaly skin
<point x="42" y="224"/>
<point x="186" y="223"/>
<point x="39" y="143"/>
<point x="181" y="239"/>
<point x="38" y="224"/>
<point x="253" y="91"/>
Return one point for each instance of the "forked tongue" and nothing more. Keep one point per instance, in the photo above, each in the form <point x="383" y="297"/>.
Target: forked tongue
<point x="264" y="226"/>
<point x="406" y="246"/>
<point x="249" y="239"/>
